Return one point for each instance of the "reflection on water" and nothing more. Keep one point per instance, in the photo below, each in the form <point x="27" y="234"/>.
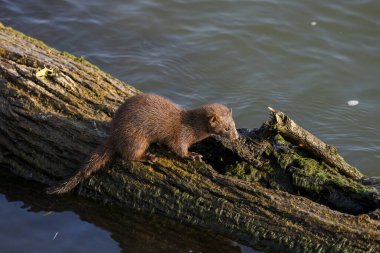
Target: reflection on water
<point x="37" y="222"/>
<point x="306" y="58"/>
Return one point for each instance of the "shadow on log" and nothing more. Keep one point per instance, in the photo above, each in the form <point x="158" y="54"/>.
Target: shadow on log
<point x="269" y="189"/>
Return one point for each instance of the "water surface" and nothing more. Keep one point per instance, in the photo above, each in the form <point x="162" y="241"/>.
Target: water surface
<point x="306" y="58"/>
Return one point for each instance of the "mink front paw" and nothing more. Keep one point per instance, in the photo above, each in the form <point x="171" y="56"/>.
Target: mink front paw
<point x="150" y="158"/>
<point x="195" y="156"/>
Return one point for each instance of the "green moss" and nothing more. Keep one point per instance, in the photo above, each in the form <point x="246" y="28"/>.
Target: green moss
<point x="294" y="170"/>
<point x="314" y="176"/>
<point x="321" y="183"/>
<point x="284" y="159"/>
<point x="80" y="59"/>
<point x="268" y="175"/>
<point x="31" y="39"/>
<point x="279" y="140"/>
<point x="242" y="170"/>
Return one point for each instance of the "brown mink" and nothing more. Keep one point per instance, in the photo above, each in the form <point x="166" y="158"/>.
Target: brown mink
<point x="147" y="118"/>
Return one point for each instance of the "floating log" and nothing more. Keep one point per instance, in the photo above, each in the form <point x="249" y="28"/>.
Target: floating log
<point x="264" y="190"/>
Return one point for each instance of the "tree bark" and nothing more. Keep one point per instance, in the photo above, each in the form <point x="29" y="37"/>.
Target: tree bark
<point x="297" y="134"/>
<point x="55" y="109"/>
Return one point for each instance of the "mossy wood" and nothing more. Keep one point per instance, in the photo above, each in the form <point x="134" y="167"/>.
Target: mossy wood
<point x="303" y="138"/>
<point x="264" y="189"/>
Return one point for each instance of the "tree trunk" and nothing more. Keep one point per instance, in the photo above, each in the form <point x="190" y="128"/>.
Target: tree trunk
<point x="55" y="109"/>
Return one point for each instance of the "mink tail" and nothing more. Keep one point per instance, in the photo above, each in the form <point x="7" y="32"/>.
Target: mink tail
<point x="95" y="161"/>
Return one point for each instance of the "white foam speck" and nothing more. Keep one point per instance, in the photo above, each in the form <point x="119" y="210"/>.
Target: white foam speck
<point x="353" y="102"/>
<point x="313" y="23"/>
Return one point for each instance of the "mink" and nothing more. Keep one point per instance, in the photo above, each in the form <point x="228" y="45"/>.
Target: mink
<point x="148" y="118"/>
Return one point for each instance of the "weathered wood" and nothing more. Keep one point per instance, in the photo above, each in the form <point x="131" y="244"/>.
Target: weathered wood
<point x="49" y="123"/>
<point x="305" y="139"/>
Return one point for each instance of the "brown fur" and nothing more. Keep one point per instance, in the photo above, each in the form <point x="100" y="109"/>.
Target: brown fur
<point x="145" y="119"/>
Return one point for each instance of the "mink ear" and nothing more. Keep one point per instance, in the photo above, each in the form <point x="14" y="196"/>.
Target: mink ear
<point x="213" y="119"/>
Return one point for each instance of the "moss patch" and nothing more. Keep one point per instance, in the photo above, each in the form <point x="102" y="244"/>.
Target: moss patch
<point x="320" y="182"/>
<point x="80" y="59"/>
<point x="290" y="168"/>
<point x="28" y="38"/>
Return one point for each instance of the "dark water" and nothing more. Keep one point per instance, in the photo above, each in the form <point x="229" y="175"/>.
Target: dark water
<point x="306" y="58"/>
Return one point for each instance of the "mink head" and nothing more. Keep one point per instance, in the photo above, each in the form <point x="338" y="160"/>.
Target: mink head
<point x="220" y="121"/>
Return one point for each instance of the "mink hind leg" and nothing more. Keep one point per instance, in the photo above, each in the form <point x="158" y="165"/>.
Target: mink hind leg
<point x="135" y="150"/>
